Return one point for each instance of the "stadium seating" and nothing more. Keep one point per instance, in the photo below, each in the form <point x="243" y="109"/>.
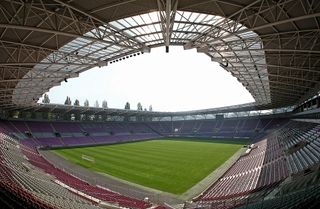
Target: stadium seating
<point x="25" y="182"/>
<point x="281" y="149"/>
<point x="225" y="128"/>
<point x="269" y="163"/>
<point x="35" y="126"/>
<point x="305" y="194"/>
<point x="83" y="186"/>
<point x="66" y="127"/>
<point x="43" y="187"/>
<point x="75" y="133"/>
<point x="248" y="174"/>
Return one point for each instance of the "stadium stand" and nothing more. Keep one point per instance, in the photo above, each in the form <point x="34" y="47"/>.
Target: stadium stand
<point x="268" y="164"/>
<point x="287" y="149"/>
<point x="209" y="128"/>
<point x="55" y="134"/>
<point x="24" y="181"/>
<point x="38" y="184"/>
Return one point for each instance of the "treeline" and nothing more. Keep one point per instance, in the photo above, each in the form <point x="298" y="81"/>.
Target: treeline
<point x="104" y="104"/>
<point x="89" y="115"/>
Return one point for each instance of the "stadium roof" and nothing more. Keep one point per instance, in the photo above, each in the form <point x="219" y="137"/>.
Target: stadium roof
<point x="271" y="46"/>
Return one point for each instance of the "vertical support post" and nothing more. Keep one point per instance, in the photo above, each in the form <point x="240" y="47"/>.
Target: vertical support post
<point x="167" y="12"/>
<point x="168" y="21"/>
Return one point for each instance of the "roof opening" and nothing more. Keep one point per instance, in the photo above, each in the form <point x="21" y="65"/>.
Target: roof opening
<point x="176" y="81"/>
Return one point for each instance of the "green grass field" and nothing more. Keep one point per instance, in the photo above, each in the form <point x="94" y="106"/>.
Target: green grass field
<point x="171" y="165"/>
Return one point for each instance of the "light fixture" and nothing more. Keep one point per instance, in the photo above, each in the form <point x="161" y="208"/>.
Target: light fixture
<point x="224" y="65"/>
<point x="102" y="63"/>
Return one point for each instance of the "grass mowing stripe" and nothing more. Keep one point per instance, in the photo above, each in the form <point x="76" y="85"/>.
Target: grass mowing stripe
<point x="165" y="164"/>
<point x="116" y="156"/>
<point x="133" y="155"/>
<point x="137" y="165"/>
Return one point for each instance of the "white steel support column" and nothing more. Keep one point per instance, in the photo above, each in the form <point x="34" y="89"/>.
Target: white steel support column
<point x="167" y="12"/>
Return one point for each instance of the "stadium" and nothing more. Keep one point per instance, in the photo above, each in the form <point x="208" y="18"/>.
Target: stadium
<point x="264" y="154"/>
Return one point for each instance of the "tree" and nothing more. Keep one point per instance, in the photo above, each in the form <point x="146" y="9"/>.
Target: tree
<point x="68" y="101"/>
<point x="76" y="103"/>
<point x="150" y="108"/>
<point x="77" y="116"/>
<point x="86" y="103"/>
<point x="139" y="107"/>
<point x="104" y="104"/>
<point x="46" y="99"/>
<point x="127" y="106"/>
<point x="96" y="104"/>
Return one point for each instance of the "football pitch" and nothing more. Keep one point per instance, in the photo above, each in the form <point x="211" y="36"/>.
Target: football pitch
<point x="170" y="165"/>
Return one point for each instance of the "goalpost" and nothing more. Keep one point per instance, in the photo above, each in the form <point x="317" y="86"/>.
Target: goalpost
<point x="88" y="158"/>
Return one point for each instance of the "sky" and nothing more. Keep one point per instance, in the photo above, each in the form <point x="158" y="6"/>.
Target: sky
<point x="176" y="81"/>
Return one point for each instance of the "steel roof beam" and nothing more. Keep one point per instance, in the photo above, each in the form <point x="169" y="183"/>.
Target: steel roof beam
<point x="31" y="47"/>
<point x="283" y="67"/>
<point x="268" y="25"/>
<point x="73" y="35"/>
<point x="44" y="63"/>
<point x="291" y="84"/>
<point x="292" y="78"/>
<point x="109" y="6"/>
<point x="295" y="90"/>
<point x="116" y="30"/>
<point x="269" y="50"/>
<point x="287" y="93"/>
<point x="167" y="12"/>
